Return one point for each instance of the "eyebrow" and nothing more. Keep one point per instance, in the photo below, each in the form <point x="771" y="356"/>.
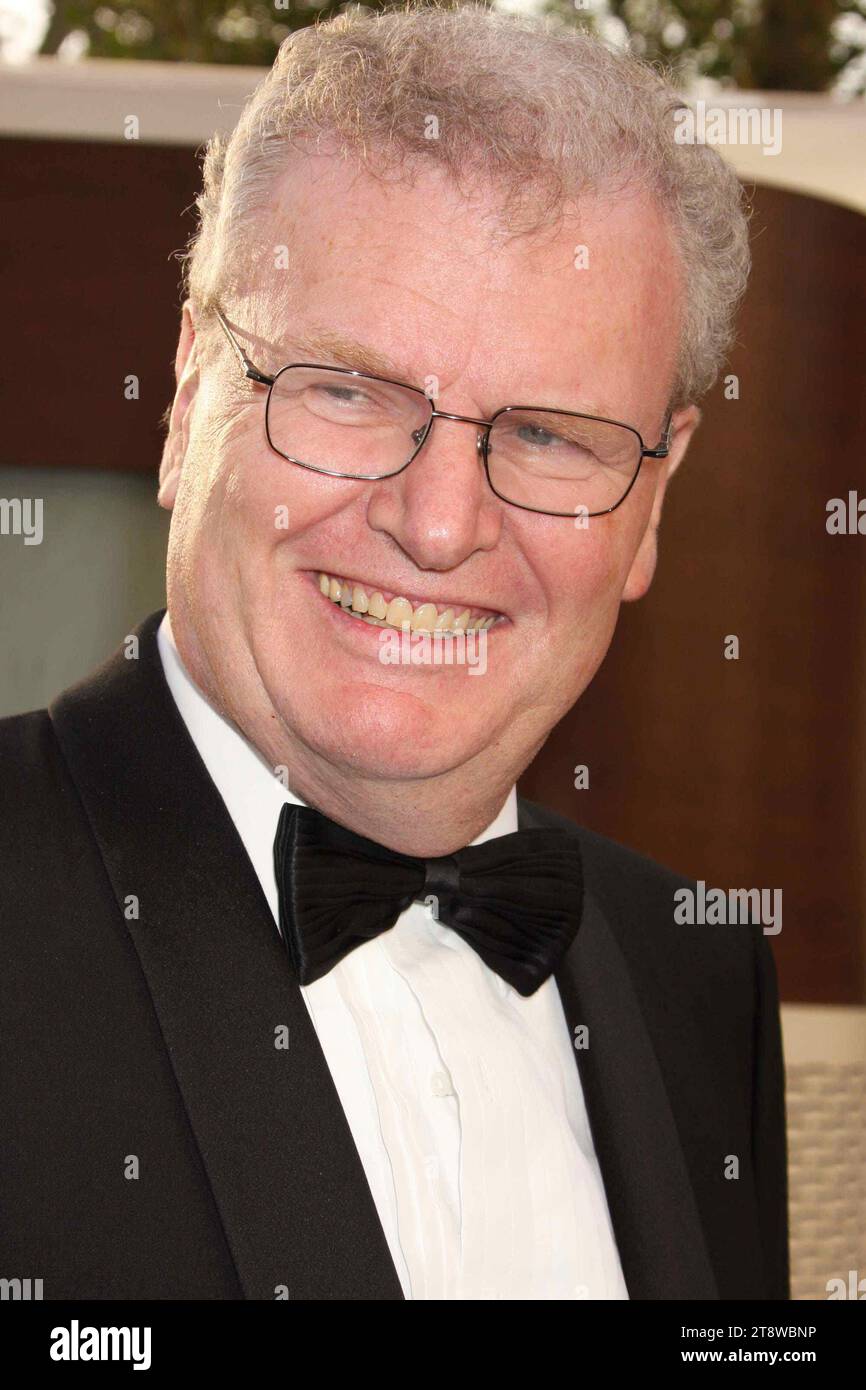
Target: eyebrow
<point x="325" y="346"/>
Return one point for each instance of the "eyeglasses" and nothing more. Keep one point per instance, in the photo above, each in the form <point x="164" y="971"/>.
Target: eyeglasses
<point x="349" y="424"/>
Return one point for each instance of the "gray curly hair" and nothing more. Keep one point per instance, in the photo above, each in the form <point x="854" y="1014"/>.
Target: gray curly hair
<point x="538" y="109"/>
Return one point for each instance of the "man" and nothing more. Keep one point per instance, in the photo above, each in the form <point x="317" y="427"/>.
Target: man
<point x="304" y="1001"/>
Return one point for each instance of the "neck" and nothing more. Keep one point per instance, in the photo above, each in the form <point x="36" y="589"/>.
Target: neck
<point x="426" y="817"/>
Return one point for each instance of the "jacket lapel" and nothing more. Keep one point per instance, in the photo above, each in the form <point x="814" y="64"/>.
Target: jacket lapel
<point x="286" y="1177"/>
<point x="655" y="1218"/>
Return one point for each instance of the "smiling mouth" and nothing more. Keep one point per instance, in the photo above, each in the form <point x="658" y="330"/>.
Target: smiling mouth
<point x="383" y="609"/>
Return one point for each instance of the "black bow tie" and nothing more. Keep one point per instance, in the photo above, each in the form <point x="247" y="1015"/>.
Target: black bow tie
<point x="516" y="899"/>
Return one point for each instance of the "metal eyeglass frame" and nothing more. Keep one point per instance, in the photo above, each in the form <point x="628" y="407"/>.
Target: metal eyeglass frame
<point x="420" y="437"/>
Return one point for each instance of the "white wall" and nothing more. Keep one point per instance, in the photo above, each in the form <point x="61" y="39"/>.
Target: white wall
<point x="68" y="603"/>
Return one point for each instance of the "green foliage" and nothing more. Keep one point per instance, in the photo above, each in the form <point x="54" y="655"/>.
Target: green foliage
<point x="187" y="31"/>
<point x="759" y="45"/>
<point x="775" y="45"/>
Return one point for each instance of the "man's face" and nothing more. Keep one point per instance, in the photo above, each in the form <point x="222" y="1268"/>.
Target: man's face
<point x="412" y="274"/>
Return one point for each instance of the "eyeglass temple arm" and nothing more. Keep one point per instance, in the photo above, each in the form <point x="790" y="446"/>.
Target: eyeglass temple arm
<point x="662" y="449"/>
<point x="249" y="367"/>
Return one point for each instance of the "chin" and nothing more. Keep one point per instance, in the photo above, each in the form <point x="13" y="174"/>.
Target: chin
<point x="386" y="734"/>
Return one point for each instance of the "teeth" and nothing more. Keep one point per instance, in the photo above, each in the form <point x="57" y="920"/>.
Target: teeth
<point x="377" y="607"/>
<point x="424" y="618"/>
<point x="374" y="608"/>
<point x="399" y="612"/>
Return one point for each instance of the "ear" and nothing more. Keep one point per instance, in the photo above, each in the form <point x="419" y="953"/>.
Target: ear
<point x="177" y="439"/>
<point x="684" y="424"/>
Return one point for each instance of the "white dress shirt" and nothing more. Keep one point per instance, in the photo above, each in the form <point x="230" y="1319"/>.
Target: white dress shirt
<point x="462" y="1096"/>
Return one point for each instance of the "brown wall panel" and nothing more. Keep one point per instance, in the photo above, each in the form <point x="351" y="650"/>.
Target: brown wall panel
<point x="90" y="292"/>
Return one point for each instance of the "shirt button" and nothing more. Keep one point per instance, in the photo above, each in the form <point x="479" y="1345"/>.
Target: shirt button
<point x="440" y="1084"/>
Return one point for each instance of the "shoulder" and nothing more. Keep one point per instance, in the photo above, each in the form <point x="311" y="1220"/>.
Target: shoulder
<point x="44" y="820"/>
<point x="641" y="900"/>
<point x="612" y="871"/>
<point x="29" y="756"/>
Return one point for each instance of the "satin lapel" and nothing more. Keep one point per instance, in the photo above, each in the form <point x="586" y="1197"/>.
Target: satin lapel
<point x="279" y="1155"/>
<point x="649" y="1193"/>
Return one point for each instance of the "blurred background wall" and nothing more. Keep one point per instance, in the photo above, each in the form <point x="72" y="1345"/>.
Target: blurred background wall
<point x="747" y="772"/>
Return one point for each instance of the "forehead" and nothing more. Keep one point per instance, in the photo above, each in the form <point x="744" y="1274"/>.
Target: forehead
<point x="413" y="280"/>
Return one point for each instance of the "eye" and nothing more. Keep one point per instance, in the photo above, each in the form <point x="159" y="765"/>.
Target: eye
<point x="532" y="437"/>
<point x="349" y="401"/>
<point x="539" y="436"/>
<point x="341" y="395"/>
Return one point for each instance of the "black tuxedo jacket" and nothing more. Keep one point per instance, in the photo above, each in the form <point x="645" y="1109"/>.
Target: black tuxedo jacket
<point x="142" y="981"/>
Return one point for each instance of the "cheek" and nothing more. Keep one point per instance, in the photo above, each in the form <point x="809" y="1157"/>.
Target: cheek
<point x="238" y="515"/>
<point x="220" y="521"/>
<point x="584" y="592"/>
<point x="272" y="502"/>
<point x="588" y="574"/>
<point x="593" y="607"/>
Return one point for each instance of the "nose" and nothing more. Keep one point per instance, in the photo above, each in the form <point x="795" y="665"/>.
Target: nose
<point x="440" y="509"/>
<point x="418" y="435"/>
